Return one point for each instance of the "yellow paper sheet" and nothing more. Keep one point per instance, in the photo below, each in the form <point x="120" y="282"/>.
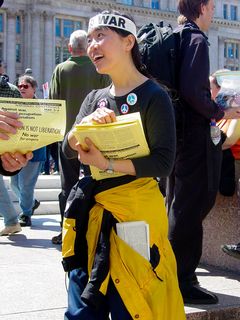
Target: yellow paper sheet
<point x="123" y="139"/>
<point x="44" y="122"/>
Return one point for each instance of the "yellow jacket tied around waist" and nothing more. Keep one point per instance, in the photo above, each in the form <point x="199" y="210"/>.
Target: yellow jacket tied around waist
<point x="147" y="294"/>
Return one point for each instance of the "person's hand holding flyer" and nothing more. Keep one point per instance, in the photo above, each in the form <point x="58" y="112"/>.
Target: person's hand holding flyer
<point x="44" y="122"/>
<point x="229" y="94"/>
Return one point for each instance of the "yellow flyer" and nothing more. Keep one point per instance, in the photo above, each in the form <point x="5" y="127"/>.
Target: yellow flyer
<point x="123" y="139"/>
<point x="44" y="122"/>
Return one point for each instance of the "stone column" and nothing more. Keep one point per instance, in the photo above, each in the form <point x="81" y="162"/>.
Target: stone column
<point x="49" y="46"/>
<point x="27" y="63"/>
<point x="172" y="5"/>
<point x="221" y="59"/>
<point x="36" y="46"/>
<point x="11" y="46"/>
<point x="213" y="50"/>
<point x="164" y="5"/>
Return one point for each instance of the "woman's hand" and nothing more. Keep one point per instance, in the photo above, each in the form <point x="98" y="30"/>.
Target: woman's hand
<point x="90" y="155"/>
<point x="8" y="124"/>
<point x="100" y="115"/>
<point x="15" y="161"/>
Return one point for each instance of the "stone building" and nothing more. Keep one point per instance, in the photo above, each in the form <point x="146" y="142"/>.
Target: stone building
<point x="35" y="33"/>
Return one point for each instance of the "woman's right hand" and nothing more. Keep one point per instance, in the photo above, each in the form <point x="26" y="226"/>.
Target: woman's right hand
<point x="100" y="115"/>
<point x="8" y="124"/>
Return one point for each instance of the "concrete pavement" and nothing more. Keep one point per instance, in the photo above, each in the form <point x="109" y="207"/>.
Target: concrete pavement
<point x="32" y="280"/>
<point x="31" y="275"/>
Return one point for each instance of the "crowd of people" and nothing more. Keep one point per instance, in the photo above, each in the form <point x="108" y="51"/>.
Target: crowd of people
<point x="113" y="278"/>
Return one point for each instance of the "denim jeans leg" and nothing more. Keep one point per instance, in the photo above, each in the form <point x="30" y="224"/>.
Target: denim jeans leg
<point x="117" y="308"/>
<point x="7" y="209"/>
<point x="23" y="185"/>
<point x="77" y="309"/>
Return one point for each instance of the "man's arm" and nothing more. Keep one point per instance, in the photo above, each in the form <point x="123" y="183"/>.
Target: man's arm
<point x="194" y="73"/>
<point x="54" y="90"/>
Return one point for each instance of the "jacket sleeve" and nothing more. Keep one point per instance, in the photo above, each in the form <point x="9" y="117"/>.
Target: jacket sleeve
<point x="85" y="110"/>
<point x="6" y="173"/>
<point x="54" y="90"/>
<point x="161" y="137"/>
<point x="194" y="84"/>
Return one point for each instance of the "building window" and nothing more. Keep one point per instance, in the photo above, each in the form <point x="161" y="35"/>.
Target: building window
<point x="155" y="4"/>
<point x="78" y="25"/>
<point x="57" y="55"/>
<point x="225" y="11"/>
<point x="127" y="2"/>
<point x="66" y="54"/>
<point x="58" y="27"/>
<point x="18" y="24"/>
<point x="231" y="55"/>
<point x="1" y="22"/>
<point x="64" y="28"/>
<point x="68" y="28"/>
<point x="233" y="12"/>
<point x="18" y="52"/>
<point x="230" y="50"/>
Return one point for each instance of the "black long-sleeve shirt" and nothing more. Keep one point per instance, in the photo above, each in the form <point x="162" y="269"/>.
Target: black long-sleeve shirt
<point x="157" y="116"/>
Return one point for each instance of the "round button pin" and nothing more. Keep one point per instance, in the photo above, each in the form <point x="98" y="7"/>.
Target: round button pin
<point x="132" y="99"/>
<point x="124" y="108"/>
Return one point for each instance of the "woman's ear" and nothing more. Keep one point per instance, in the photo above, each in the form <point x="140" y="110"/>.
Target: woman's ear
<point x="130" y="41"/>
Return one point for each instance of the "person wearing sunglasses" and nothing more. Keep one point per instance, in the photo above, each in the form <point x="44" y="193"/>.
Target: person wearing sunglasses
<point x="24" y="182"/>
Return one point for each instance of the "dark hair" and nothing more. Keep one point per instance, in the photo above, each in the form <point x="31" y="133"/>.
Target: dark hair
<point x="191" y="9"/>
<point x="136" y="56"/>
<point x="28" y="79"/>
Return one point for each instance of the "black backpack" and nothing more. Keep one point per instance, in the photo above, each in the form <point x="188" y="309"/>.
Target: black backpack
<point x="159" y="47"/>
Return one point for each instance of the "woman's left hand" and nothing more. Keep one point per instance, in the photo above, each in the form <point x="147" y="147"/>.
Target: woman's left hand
<point x="15" y="161"/>
<point x="90" y="155"/>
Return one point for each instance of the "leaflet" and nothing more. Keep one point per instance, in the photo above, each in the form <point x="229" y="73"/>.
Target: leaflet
<point x="44" y="122"/>
<point x="123" y="139"/>
<point x="136" y="235"/>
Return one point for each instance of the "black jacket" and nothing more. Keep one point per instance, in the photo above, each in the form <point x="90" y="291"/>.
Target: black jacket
<point x="194" y="86"/>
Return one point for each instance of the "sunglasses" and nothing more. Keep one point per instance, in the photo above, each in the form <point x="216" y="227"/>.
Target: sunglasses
<point x="23" y="86"/>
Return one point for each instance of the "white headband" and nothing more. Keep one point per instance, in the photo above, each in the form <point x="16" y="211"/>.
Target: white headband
<point x="112" y="20"/>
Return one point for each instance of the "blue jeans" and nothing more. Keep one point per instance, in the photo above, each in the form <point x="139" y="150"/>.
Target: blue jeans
<point x="78" y="310"/>
<point x="7" y="209"/>
<point x="23" y="185"/>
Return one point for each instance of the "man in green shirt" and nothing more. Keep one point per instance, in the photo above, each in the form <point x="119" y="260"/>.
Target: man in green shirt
<point x="72" y="80"/>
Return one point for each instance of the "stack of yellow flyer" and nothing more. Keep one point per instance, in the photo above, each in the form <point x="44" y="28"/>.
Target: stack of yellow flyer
<point x="44" y="122"/>
<point x="123" y="139"/>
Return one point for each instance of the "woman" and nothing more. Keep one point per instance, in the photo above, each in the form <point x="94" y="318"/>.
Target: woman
<point x="133" y="287"/>
<point x="24" y="182"/>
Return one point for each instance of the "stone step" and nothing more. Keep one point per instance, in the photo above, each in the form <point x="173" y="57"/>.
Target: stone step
<point x="43" y="182"/>
<point x="222" y="226"/>
<point x="46" y="207"/>
<point x="227" y="287"/>
<point x="40" y="194"/>
<point x="47" y="190"/>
